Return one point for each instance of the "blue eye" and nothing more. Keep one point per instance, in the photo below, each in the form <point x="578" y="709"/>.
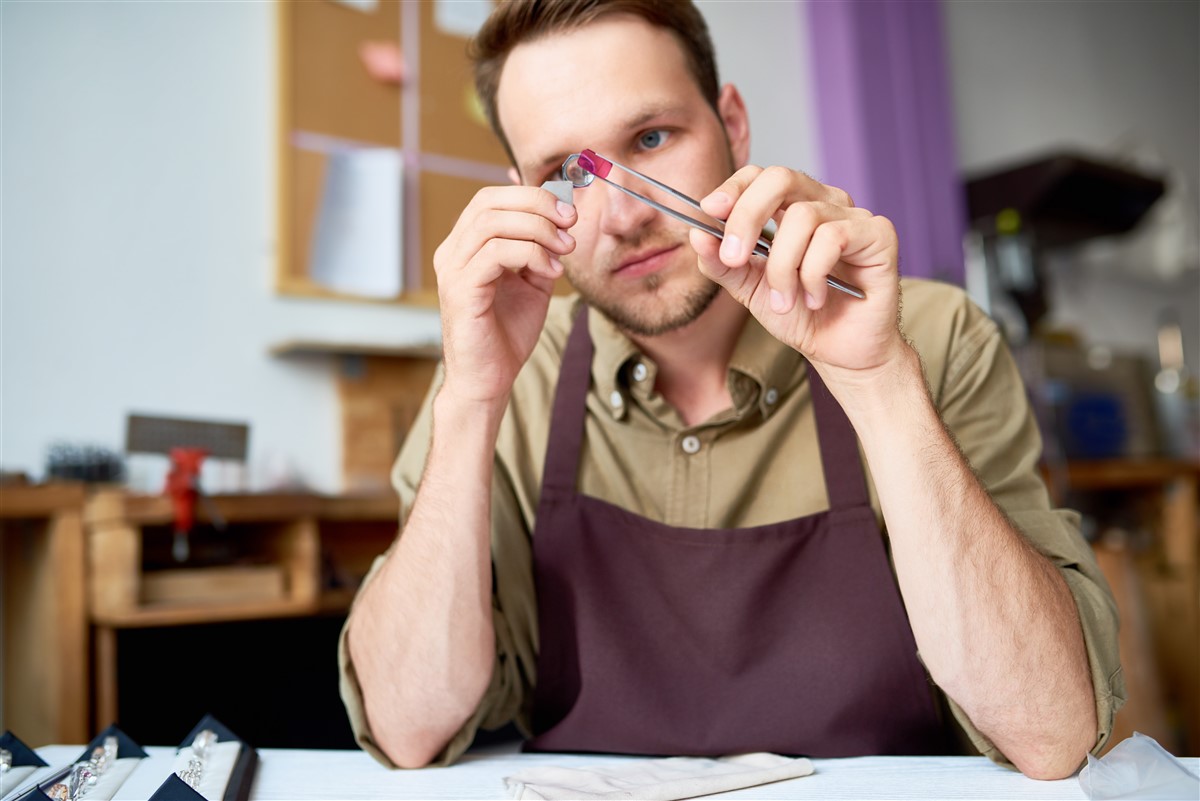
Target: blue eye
<point x="652" y="139"/>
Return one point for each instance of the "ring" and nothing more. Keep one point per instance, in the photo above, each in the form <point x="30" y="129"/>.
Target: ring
<point x="203" y="741"/>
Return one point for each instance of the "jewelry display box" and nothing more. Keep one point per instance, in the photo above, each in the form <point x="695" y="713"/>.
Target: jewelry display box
<point x="211" y="764"/>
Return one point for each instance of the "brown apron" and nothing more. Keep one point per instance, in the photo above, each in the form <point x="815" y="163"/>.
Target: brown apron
<point x="789" y="637"/>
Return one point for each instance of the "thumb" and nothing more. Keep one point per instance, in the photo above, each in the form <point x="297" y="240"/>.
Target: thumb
<point x="737" y="281"/>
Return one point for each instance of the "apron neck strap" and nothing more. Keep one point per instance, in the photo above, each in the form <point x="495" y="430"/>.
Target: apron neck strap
<point x="569" y="414"/>
<point x="844" y="480"/>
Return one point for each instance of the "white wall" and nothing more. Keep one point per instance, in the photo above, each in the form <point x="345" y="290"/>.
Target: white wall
<point x="138" y="236"/>
<point x="1120" y="78"/>
<point x="761" y="49"/>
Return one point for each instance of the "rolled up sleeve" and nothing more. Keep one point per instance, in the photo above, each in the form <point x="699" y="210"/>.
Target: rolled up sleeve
<point x="505" y="698"/>
<point x="983" y="402"/>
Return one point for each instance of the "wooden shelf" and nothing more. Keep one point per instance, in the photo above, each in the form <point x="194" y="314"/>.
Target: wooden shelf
<point x="35" y="501"/>
<point x="248" y="508"/>
<point x="1127" y="473"/>
<point x="308" y="347"/>
<point x="192" y="613"/>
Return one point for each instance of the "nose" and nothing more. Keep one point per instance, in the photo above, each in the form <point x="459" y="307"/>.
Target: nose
<point x="622" y="214"/>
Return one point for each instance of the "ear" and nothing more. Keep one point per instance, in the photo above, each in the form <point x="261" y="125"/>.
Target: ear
<point x="732" y="110"/>
<point x="514" y="176"/>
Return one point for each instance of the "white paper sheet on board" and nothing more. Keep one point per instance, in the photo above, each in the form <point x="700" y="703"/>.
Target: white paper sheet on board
<point x="359" y="5"/>
<point x="357" y="236"/>
<point x="461" y="17"/>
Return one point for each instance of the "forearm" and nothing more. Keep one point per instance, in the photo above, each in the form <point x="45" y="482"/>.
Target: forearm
<point x="994" y="621"/>
<point x="421" y="635"/>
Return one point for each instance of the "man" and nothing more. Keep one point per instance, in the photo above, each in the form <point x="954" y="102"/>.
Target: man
<point x="671" y="463"/>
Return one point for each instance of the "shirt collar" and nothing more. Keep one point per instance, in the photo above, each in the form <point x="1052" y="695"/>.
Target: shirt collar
<point x="774" y="369"/>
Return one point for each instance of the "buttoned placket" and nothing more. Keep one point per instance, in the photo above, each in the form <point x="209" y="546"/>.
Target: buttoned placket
<point x="691" y="476"/>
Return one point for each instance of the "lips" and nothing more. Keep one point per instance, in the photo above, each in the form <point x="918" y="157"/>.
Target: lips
<point x="646" y="261"/>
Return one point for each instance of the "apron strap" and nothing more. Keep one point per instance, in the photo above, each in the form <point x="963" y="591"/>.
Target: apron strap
<point x="844" y="480"/>
<point x="561" y="471"/>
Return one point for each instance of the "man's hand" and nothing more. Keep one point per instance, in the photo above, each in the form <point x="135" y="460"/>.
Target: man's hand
<point x="495" y="274"/>
<point x="820" y="232"/>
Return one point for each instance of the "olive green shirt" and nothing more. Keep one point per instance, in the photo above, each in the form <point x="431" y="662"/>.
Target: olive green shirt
<point x="750" y="465"/>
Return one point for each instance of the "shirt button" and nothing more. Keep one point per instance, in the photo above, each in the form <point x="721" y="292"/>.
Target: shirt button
<point x="690" y="444"/>
<point x="771" y="396"/>
<point x="616" y="400"/>
<point x="639" y="372"/>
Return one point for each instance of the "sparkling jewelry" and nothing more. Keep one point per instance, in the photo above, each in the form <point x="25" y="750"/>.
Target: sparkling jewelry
<point x="80" y="779"/>
<point x="203" y="741"/>
<point x="191" y="774"/>
<point x="195" y="768"/>
<point x="103" y="755"/>
<point x="83" y="778"/>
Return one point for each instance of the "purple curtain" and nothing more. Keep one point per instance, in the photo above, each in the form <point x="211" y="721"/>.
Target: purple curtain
<point x="884" y="123"/>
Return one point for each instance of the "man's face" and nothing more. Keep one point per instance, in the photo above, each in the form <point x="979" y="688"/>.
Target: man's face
<point x="622" y="88"/>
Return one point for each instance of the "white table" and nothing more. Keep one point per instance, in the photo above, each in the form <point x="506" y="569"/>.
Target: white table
<point x="296" y="775"/>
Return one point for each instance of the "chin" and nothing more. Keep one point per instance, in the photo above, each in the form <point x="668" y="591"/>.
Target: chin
<point x="657" y="308"/>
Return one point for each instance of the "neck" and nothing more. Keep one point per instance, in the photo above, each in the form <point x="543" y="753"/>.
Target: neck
<point x="693" y="361"/>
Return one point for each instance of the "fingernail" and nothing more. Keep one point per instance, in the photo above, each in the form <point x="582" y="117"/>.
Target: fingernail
<point x="556" y="265"/>
<point x="810" y="301"/>
<point x="564" y="209"/>
<point x="565" y="237"/>
<point x="720" y="197"/>
<point x="731" y="247"/>
<point x="777" y="301"/>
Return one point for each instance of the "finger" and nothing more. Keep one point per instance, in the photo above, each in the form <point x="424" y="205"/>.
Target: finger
<point x="834" y="242"/>
<point x="773" y="190"/>
<point x="531" y="199"/>
<point x="498" y="256"/>
<point x="791" y="242"/>
<point x="800" y="220"/>
<point x="739" y="282"/>
<point x="492" y="224"/>
<point x="719" y="202"/>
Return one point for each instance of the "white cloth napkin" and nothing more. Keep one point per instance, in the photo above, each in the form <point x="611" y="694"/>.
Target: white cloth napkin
<point x="657" y="779"/>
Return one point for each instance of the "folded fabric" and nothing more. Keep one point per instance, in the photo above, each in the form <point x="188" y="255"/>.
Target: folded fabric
<point x="1138" y="767"/>
<point x="657" y="779"/>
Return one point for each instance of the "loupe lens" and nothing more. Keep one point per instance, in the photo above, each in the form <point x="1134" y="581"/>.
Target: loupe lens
<point x="577" y="175"/>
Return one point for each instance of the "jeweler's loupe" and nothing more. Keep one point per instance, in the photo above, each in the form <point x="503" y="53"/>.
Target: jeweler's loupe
<point x="572" y="171"/>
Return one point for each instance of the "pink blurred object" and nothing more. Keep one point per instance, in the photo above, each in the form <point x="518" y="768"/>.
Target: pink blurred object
<point x="384" y="62"/>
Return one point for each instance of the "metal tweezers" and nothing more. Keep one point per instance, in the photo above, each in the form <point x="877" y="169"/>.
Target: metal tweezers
<point x="581" y="168"/>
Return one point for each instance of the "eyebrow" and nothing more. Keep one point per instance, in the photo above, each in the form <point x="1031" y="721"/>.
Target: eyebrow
<point x="636" y="120"/>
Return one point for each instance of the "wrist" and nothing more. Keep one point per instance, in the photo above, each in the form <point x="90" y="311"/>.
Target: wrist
<point x="879" y="392"/>
<point x="463" y="413"/>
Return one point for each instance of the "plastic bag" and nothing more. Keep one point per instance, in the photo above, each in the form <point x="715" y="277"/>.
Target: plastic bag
<point x="1138" y="768"/>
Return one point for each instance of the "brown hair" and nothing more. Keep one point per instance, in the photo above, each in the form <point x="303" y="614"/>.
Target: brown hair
<point x="515" y="22"/>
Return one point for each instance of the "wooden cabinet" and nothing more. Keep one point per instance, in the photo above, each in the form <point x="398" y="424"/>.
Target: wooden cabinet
<point x="45" y="636"/>
<point x="320" y="548"/>
<point x="80" y="566"/>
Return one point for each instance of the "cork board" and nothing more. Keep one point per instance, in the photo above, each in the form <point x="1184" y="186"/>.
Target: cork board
<point x="327" y="100"/>
<point x="452" y="121"/>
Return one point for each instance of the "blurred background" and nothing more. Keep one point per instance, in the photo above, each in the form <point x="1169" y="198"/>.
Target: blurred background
<point x="218" y="313"/>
